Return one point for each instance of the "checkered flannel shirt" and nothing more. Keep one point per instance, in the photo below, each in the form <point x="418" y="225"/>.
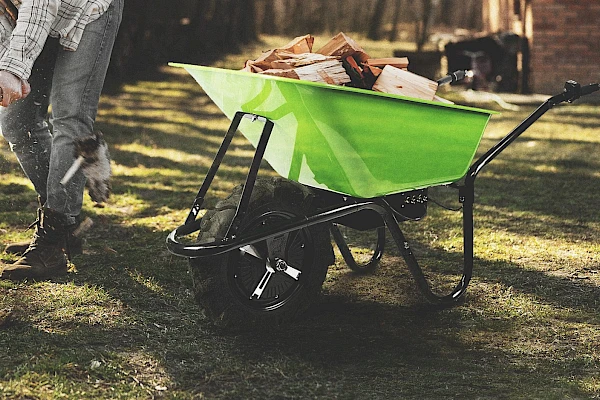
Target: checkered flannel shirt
<point x="21" y="44"/>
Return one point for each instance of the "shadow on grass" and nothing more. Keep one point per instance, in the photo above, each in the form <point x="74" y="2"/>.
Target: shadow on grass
<point x="344" y="347"/>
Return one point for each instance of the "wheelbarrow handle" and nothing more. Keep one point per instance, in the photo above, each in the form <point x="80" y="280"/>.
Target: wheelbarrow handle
<point x="455" y="77"/>
<point x="571" y="92"/>
<point x="589" y="89"/>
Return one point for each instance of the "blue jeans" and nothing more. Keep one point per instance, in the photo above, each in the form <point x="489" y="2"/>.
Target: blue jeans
<point x="72" y="82"/>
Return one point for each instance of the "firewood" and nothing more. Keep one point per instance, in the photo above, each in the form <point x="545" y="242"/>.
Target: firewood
<point x="328" y="71"/>
<point x="298" y="60"/>
<point x="263" y="62"/>
<point x="343" y="46"/>
<point x="398" y="62"/>
<point x="342" y="61"/>
<point x="353" y="64"/>
<point x="355" y="72"/>
<point x="285" y="73"/>
<point x="266" y="57"/>
<point x="249" y="67"/>
<point x="370" y="75"/>
<point x="398" y="81"/>
<point x="301" y="44"/>
<point x="369" y="69"/>
<point x="283" y="59"/>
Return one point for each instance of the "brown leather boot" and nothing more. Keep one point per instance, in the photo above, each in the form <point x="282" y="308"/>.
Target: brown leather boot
<point x="74" y="241"/>
<point x="74" y="244"/>
<point x="45" y="257"/>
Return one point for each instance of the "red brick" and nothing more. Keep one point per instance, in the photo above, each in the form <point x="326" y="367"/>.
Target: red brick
<point x="565" y="34"/>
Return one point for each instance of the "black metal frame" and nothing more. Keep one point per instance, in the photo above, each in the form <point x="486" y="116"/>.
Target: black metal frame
<point x="347" y="254"/>
<point x="231" y="242"/>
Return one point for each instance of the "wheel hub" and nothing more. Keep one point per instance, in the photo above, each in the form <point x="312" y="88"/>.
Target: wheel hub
<point x="267" y="274"/>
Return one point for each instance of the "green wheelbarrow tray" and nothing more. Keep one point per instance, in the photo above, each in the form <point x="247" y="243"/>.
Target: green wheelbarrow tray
<point x="351" y="141"/>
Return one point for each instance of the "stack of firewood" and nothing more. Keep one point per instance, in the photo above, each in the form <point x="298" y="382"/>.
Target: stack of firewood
<point x="341" y="61"/>
<point x="296" y="60"/>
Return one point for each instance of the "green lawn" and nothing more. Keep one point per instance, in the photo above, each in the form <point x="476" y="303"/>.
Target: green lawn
<point x="124" y="324"/>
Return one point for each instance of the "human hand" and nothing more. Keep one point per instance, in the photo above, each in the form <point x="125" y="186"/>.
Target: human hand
<point x="12" y="88"/>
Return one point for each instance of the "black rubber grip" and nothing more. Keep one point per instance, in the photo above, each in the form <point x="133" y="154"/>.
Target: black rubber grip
<point x="452" y="77"/>
<point x="591" y="88"/>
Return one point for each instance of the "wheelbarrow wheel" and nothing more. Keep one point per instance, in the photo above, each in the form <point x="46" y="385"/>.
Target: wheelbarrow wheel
<point x="242" y="288"/>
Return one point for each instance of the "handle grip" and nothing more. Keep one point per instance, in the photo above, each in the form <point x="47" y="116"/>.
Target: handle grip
<point x="573" y="91"/>
<point x="455" y="77"/>
<point x="589" y="89"/>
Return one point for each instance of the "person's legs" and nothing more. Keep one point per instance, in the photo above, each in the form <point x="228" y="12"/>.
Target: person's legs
<point x="76" y="86"/>
<point x="24" y="125"/>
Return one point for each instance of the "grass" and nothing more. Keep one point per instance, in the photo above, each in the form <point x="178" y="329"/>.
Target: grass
<point x="124" y="324"/>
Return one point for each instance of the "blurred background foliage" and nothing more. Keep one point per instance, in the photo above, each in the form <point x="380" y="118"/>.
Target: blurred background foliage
<point x="198" y="31"/>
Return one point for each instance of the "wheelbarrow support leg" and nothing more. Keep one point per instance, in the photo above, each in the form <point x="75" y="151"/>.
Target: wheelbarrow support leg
<point x="338" y="237"/>
<point x="415" y="269"/>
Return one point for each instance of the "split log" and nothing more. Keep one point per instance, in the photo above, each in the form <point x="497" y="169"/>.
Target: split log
<point x="329" y="71"/>
<point x="301" y="44"/>
<point x="369" y="69"/>
<point x="285" y="73"/>
<point x="276" y="58"/>
<point x="263" y="62"/>
<point x="355" y="72"/>
<point x="252" y="68"/>
<point x="343" y="46"/>
<point x="370" y="75"/>
<point x="405" y="83"/>
<point x="299" y="60"/>
<point x="398" y="62"/>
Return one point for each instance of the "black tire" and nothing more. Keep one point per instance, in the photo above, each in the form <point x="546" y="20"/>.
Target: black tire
<point x="226" y="286"/>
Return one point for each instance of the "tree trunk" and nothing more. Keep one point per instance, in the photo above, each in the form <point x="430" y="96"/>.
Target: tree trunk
<point x="269" y="21"/>
<point x="376" y="22"/>
<point x="186" y="33"/>
<point x="395" y="20"/>
<point x="423" y="23"/>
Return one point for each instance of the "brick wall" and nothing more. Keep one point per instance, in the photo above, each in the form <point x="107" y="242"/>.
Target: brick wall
<point x="565" y="43"/>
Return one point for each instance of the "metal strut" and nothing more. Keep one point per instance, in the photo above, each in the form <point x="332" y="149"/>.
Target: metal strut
<point x="338" y="237"/>
<point x="191" y="222"/>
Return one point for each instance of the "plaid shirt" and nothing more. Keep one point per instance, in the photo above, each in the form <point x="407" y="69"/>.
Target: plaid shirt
<point x="20" y="45"/>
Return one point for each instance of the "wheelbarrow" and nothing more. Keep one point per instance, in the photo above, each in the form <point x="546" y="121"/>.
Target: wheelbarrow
<point x="345" y="157"/>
